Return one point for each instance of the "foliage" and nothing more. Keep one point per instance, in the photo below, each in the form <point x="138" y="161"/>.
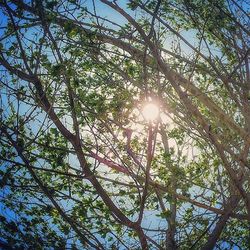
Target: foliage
<point x="80" y="166"/>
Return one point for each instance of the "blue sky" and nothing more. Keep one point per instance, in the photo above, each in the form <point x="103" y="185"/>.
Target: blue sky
<point x="106" y="12"/>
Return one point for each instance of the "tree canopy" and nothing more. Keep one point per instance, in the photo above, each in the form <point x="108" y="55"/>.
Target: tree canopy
<point x="82" y="167"/>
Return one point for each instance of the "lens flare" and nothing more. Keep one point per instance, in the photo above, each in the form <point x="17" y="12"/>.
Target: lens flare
<point x="150" y="111"/>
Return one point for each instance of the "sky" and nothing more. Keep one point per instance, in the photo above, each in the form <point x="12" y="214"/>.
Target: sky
<point x="106" y="12"/>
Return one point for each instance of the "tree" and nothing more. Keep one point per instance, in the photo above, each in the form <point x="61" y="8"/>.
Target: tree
<point x="82" y="167"/>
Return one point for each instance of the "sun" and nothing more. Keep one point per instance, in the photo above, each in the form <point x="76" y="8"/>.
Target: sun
<point x="150" y="111"/>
